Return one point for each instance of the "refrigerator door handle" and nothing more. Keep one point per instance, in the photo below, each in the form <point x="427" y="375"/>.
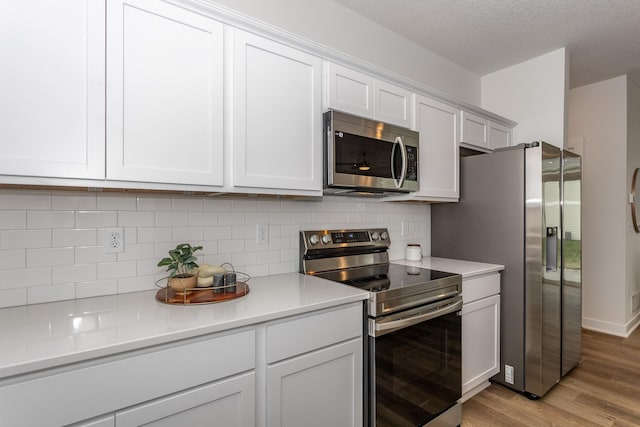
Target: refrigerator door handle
<point x="552" y="249"/>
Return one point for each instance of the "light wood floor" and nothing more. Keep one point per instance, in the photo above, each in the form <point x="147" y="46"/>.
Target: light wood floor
<point x="603" y="390"/>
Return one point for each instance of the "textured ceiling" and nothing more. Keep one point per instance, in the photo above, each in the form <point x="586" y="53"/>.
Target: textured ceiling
<point x="603" y="36"/>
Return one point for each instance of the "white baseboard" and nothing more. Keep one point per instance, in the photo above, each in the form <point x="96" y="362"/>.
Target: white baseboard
<point x="618" y="329"/>
<point x="477" y="389"/>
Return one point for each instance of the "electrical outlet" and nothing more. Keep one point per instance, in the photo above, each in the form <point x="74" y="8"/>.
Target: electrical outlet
<point x="508" y="374"/>
<point x="262" y="234"/>
<point x="114" y="240"/>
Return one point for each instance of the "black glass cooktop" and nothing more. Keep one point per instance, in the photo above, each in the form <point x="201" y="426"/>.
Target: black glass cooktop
<point x="397" y="277"/>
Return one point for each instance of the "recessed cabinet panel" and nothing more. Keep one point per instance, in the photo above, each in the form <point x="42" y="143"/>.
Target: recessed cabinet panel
<point x="392" y="104"/>
<point x="165" y="81"/>
<point x="480" y="341"/>
<point x="474" y="130"/>
<point x="349" y="91"/>
<point x="277" y="132"/>
<point x="52" y="88"/>
<point x="439" y="158"/>
<point x="499" y="136"/>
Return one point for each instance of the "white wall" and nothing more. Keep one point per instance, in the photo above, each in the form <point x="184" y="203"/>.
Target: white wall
<point x="633" y="162"/>
<point x="338" y="27"/>
<point x="51" y="242"/>
<point x="532" y="93"/>
<point x="598" y="113"/>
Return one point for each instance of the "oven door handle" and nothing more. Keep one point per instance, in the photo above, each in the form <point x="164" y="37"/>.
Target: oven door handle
<point x="381" y="327"/>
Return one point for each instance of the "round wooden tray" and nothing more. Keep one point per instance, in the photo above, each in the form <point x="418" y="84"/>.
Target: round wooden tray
<point x="200" y="295"/>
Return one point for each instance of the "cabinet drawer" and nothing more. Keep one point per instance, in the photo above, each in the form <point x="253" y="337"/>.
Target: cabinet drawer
<point x="306" y="333"/>
<point x="118" y="382"/>
<point x="479" y="287"/>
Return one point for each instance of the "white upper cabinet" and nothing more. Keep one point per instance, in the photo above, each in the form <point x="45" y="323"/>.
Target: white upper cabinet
<point x="392" y="104"/>
<point x="357" y="93"/>
<point x="52" y="88"/>
<point x="277" y="118"/>
<point x="348" y="90"/>
<point x="164" y="94"/>
<point x="499" y="136"/>
<point x="474" y="130"/>
<point x="437" y="124"/>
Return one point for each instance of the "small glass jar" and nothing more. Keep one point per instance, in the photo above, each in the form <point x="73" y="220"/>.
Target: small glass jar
<point x="230" y="279"/>
<point x="413" y="252"/>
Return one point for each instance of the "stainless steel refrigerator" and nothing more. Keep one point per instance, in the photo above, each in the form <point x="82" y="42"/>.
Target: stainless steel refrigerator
<point x="520" y="207"/>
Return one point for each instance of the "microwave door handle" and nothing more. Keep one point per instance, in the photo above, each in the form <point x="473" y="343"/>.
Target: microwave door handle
<point x="403" y="151"/>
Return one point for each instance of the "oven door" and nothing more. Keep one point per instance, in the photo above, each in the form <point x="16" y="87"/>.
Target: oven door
<point x="415" y="365"/>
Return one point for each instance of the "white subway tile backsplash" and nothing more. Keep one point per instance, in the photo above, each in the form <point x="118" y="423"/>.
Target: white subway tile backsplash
<point x="92" y="255"/>
<point x="49" y="256"/>
<point x="202" y="218"/>
<point x="170" y="219"/>
<point x="18" y="200"/>
<point x="225" y="218"/>
<point x="114" y="270"/>
<point x="13" y="220"/>
<point x="52" y="243"/>
<point x="187" y="234"/>
<point x="187" y="204"/>
<point x="154" y="234"/>
<point x="217" y="233"/>
<point x="13" y="297"/>
<point x="87" y="219"/>
<point x="152" y="203"/>
<point x="74" y="237"/>
<point x="50" y="219"/>
<point x="73" y="273"/>
<point x="136" y="219"/>
<point x="15" y="239"/>
<point x="40" y="294"/>
<point x="96" y="288"/>
<point x="12" y="259"/>
<point x="73" y="201"/>
<point x="25" y="277"/>
<point x="116" y="202"/>
<point x="136" y="284"/>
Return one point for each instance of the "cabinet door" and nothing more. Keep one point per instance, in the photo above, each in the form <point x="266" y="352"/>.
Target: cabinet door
<point x="225" y="403"/>
<point x="277" y="131"/>
<point x="392" y="104"/>
<point x="499" y="136"/>
<point x="349" y="91"/>
<point x="318" y="389"/>
<point x="164" y="94"/>
<point x="52" y="88"/>
<point x="480" y="342"/>
<point x="437" y="124"/>
<point x="474" y="130"/>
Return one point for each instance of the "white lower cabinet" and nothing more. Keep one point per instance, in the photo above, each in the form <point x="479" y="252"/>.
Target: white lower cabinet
<point x="299" y="370"/>
<point x="225" y="403"/>
<point x="314" y="371"/>
<point x="480" y="333"/>
<point x="322" y="388"/>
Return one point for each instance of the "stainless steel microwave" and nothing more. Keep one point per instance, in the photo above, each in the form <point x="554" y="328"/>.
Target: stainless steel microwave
<point x="367" y="157"/>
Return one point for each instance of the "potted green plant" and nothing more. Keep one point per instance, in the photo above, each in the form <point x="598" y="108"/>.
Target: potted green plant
<point x="180" y="264"/>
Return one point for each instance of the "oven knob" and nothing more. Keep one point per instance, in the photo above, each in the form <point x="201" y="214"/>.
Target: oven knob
<point x="384" y="235"/>
<point x="313" y="239"/>
<point x="375" y="235"/>
<point x="326" y="239"/>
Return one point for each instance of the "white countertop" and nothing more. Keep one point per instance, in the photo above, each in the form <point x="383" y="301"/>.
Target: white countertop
<point x="42" y="336"/>
<point x="465" y="268"/>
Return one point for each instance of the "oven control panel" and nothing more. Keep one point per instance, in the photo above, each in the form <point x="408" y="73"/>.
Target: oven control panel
<point x="328" y="239"/>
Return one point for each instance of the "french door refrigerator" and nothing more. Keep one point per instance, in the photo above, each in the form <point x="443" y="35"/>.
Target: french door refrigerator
<point x="520" y="207"/>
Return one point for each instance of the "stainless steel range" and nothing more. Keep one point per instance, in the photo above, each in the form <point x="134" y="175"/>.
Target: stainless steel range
<point x="413" y="352"/>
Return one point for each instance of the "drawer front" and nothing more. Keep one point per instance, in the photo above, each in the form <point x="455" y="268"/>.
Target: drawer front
<point x="306" y="333"/>
<point x="475" y="288"/>
<point x="82" y="393"/>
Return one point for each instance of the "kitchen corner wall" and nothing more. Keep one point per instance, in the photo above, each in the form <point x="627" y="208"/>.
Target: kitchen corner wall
<point x="52" y="243"/>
